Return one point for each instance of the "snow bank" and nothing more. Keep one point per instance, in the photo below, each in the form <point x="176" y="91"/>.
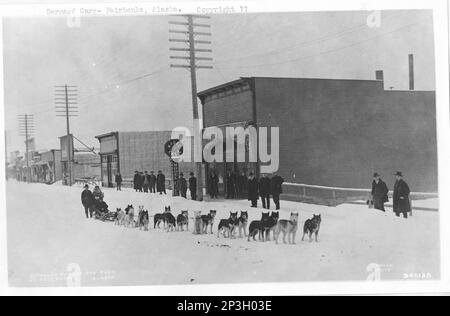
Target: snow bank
<point x="47" y="231"/>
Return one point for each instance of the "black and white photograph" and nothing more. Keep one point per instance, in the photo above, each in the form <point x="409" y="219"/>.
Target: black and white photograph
<point x="222" y="143"/>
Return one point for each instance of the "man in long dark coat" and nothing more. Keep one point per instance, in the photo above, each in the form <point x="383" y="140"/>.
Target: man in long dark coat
<point x="152" y="182"/>
<point x="119" y="181"/>
<point x="231" y="185"/>
<point x="264" y="191"/>
<point x="379" y="192"/>
<point x="193" y="186"/>
<point x="214" y="186"/>
<point x="136" y="181"/>
<point x="183" y="186"/>
<point x="276" y="188"/>
<point x="146" y="183"/>
<point x="253" y="190"/>
<point x="87" y="199"/>
<point x="161" y="183"/>
<point x="402" y="204"/>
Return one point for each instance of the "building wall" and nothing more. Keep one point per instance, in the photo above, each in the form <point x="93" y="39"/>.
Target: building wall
<point x="231" y="106"/>
<point x="86" y="166"/>
<point x="143" y="151"/>
<point x="338" y="132"/>
<point x="58" y="166"/>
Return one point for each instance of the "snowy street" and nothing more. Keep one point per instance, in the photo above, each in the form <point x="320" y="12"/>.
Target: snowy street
<point x="48" y="231"/>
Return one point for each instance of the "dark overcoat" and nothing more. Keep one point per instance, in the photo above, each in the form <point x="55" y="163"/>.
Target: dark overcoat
<point x="253" y="189"/>
<point x="379" y="193"/>
<point x="87" y="199"/>
<point x="264" y="187"/>
<point x="161" y="183"/>
<point x="276" y="185"/>
<point x="401" y="197"/>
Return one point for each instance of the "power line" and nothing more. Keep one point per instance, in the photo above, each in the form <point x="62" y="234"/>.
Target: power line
<point x="302" y="44"/>
<point x="323" y="53"/>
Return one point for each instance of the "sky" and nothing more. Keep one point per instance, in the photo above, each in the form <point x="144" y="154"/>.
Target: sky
<point x="121" y="64"/>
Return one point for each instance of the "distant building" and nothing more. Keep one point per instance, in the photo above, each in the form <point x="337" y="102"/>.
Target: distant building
<point x="46" y="167"/>
<point x="332" y="132"/>
<point x="85" y="164"/>
<point x="127" y="152"/>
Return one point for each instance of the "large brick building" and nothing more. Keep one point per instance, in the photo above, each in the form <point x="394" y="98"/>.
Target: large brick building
<point x="127" y="152"/>
<point x="333" y="132"/>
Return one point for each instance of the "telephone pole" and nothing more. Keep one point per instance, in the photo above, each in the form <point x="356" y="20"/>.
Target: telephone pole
<point x="66" y="106"/>
<point x="189" y="36"/>
<point x="26" y="129"/>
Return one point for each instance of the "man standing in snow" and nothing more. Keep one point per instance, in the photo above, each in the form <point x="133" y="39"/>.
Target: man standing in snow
<point x="161" y="183"/>
<point x="136" y="180"/>
<point x="264" y="191"/>
<point x="152" y="182"/>
<point x="193" y="186"/>
<point x="87" y="199"/>
<point x="401" y="196"/>
<point x="183" y="186"/>
<point x="119" y="182"/>
<point x="276" y="187"/>
<point x="253" y="190"/>
<point x="379" y="192"/>
<point x="146" y="181"/>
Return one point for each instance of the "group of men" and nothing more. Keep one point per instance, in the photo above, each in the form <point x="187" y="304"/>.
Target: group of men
<point x="184" y="184"/>
<point x="265" y="187"/>
<point x="149" y="182"/>
<point x="401" y="201"/>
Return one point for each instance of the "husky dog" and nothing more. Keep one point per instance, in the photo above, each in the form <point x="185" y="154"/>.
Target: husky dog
<point x="312" y="226"/>
<point x="129" y="216"/>
<point x="270" y="225"/>
<point x="258" y="227"/>
<point x="198" y="223"/>
<point x="208" y="220"/>
<point x="228" y="225"/>
<point x="158" y="218"/>
<point x="140" y="213"/>
<point x="183" y="219"/>
<point x="120" y="219"/>
<point x="143" y="219"/>
<point x="243" y="222"/>
<point x="169" y="219"/>
<point x="288" y="228"/>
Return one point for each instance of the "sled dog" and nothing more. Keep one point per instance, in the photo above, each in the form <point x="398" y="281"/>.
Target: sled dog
<point x="129" y="217"/>
<point x="243" y="222"/>
<point x="258" y="227"/>
<point x="312" y="226"/>
<point x="208" y="220"/>
<point x="120" y="219"/>
<point x="228" y="226"/>
<point x="158" y="218"/>
<point x="183" y="219"/>
<point x="287" y="227"/>
<point x="270" y="225"/>
<point x="198" y="223"/>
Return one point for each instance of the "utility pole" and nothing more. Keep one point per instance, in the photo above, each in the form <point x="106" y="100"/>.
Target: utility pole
<point x="66" y="106"/>
<point x="26" y="129"/>
<point x="190" y="36"/>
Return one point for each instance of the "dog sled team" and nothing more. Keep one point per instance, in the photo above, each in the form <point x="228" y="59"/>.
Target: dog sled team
<point x="236" y="226"/>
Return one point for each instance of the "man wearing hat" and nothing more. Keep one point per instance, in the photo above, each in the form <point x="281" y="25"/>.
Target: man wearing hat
<point x="401" y="196"/>
<point x="161" y="183"/>
<point x="379" y="192"/>
<point x="87" y="199"/>
<point x="183" y="186"/>
<point x="193" y="186"/>
<point x="136" y="180"/>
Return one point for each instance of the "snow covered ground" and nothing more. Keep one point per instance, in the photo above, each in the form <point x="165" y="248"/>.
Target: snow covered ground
<point x="49" y="239"/>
